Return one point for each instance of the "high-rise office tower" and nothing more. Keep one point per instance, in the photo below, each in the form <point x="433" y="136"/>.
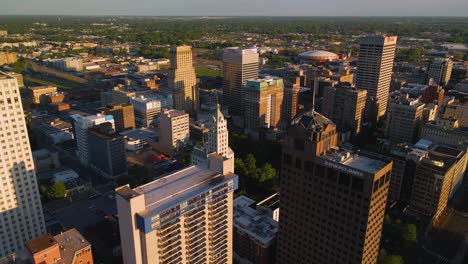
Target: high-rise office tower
<point x="21" y="216"/>
<point x="217" y="142"/>
<point x="146" y="110"/>
<point x="345" y="105"/>
<point x="375" y="63"/>
<point x="263" y="100"/>
<point x="292" y="87"/>
<point x="182" y="79"/>
<point x="440" y="70"/>
<point x="403" y="120"/>
<point x="123" y="114"/>
<point x="107" y="151"/>
<point x="184" y="217"/>
<point x="239" y="65"/>
<point x="332" y="200"/>
<point x="81" y="124"/>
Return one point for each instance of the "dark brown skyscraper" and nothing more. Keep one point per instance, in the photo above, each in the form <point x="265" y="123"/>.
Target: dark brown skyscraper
<point x="332" y="200"/>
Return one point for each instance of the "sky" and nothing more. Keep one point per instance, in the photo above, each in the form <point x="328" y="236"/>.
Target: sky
<point x="236" y="7"/>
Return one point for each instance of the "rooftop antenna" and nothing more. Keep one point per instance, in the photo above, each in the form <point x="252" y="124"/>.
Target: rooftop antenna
<point x="313" y="90"/>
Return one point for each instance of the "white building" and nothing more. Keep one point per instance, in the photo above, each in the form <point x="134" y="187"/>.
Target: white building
<point x="81" y="124"/>
<point x="65" y="176"/>
<point x="146" y="110"/>
<point x="137" y="139"/>
<point x="21" y="217"/>
<point x="218" y="140"/>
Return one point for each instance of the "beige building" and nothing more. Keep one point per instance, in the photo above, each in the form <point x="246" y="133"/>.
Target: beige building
<point x="440" y="70"/>
<point x="263" y="100"/>
<point x="182" y="79"/>
<point x="8" y="58"/>
<point x="332" y="200"/>
<point x="290" y="100"/>
<point x="439" y="171"/>
<point x="21" y="217"/>
<point x="174" y="130"/>
<point x="239" y="65"/>
<point x="375" y="64"/>
<point x="185" y="217"/>
<point x="446" y="131"/>
<point x="124" y="117"/>
<point x="38" y="92"/>
<point x="404" y="120"/>
<point x="457" y="110"/>
<point x="345" y="105"/>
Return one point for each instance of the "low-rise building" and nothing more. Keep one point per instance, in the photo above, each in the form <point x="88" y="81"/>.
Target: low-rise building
<point x="138" y="139"/>
<point x="38" y="92"/>
<point x="254" y="234"/>
<point x="45" y="160"/>
<point x="69" y="247"/>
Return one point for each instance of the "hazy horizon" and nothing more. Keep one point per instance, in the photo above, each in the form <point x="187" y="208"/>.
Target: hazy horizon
<point x="304" y="8"/>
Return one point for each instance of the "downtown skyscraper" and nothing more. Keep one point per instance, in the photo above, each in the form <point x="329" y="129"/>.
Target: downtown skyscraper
<point x="375" y="64"/>
<point x="21" y="217"/>
<point x="182" y="79"/>
<point x="239" y="65"/>
<point x="332" y="200"/>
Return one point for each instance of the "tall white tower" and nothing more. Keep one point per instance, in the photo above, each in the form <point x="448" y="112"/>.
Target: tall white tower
<point x="21" y="217"/>
<point x="218" y="140"/>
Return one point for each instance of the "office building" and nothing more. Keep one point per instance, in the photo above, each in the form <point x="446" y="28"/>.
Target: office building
<point x="263" y="101"/>
<point x="254" y="234"/>
<point x="146" y="110"/>
<point x="39" y="92"/>
<point x="174" y="131"/>
<point x="184" y="217"/>
<point x="404" y="120"/>
<point x="439" y="172"/>
<point x="69" y="247"/>
<point x="290" y="100"/>
<point x="107" y="151"/>
<point x="21" y="217"/>
<point x="239" y="65"/>
<point x="439" y="71"/>
<point x="345" y="106"/>
<point x="182" y="79"/>
<point x="8" y="58"/>
<point x="138" y="139"/>
<point x="374" y="73"/>
<point x="445" y="131"/>
<point x="123" y="114"/>
<point x="217" y="141"/>
<point x="81" y="124"/>
<point x="332" y="200"/>
<point x="457" y="110"/>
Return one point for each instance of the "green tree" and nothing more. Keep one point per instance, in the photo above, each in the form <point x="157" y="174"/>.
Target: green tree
<point x="57" y="190"/>
<point x="251" y="165"/>
<point x="239" y="167"/>
<point x="409" y="233"/>
<point x="267" y="173"/>
<point x="393" y="259"/>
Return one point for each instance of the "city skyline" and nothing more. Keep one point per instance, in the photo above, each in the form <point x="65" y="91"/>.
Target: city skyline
<point x="243" y="8"/>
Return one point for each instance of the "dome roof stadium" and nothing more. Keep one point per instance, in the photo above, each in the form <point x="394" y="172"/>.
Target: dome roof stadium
<point x="318" y="55"/>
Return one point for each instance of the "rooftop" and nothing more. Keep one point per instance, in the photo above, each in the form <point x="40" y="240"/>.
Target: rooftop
<point x="319" y="54"/>
<point x="70" y="242"/>
<point x="312" y="120"/>
<point x="40" y="243"/>
<point x="258" y="226"/>
<point x="354" y="161"/>
<point x="175" y="188"/>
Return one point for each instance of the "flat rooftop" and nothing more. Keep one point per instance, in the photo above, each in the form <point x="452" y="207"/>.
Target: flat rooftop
<point x="178" y="187"/>
<point x="139" y="134"/>
<point x="353" y="160"/>
<point x="258" y="226"/>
